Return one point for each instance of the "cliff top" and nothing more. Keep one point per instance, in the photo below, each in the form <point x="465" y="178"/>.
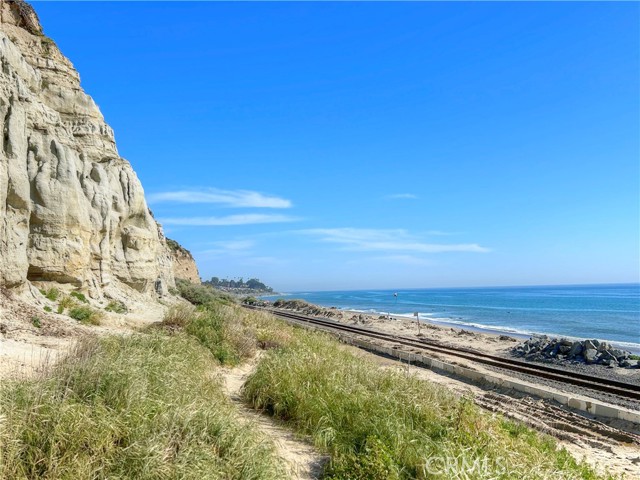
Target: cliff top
<point x="20" y="14"/>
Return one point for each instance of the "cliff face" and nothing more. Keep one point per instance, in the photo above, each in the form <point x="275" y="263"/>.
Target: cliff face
<point x="71" y="209"/>
<point x="184" y="266"/>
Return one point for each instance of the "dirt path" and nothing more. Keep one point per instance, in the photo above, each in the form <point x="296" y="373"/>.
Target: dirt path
<point x="302" y="460"/>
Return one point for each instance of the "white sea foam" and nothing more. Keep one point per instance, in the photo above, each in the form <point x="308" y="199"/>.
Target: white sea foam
<point x="444" y="321"/>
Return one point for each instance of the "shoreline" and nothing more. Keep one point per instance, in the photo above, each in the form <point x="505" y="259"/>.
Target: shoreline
<point x="455" y="335"/>
<point x="444" y="322"/>
<point x="631" y="347"/>
<point x="493" y="343"/>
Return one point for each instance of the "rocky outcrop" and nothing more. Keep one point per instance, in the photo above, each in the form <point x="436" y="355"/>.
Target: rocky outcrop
<point x="585" y="351"/>
<point x="184" y="266"/>
<point x="71" y="209"/>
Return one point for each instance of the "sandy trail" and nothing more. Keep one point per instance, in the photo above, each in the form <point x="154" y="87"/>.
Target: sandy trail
<point x="301" y="459"/>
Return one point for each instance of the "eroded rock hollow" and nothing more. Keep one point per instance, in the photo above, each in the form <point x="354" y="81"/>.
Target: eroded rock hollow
<point x="71" y="209"/>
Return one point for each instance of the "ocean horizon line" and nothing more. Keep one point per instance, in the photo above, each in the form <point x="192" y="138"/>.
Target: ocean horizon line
<point x="399" y="289"/>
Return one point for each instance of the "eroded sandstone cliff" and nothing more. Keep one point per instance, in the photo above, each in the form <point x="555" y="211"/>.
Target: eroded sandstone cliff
<point x="184" y="265"/>
<point x="71" y="209"/>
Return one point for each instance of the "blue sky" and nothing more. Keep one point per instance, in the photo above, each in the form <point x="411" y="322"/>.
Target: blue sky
<point x="376" y="145"/>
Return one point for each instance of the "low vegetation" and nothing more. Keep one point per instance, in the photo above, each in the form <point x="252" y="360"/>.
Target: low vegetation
<point x="51" y="294"/>
<point x="379" y="424"/>
<point x="116" y="306"/>
<point x="230" y="333"/>
<point x="146" y="406"/>
<point x="85" y="314"/>
<point x="79" y="296"/>
<point x="201" y="294"/>
<point x="142" y="406"/>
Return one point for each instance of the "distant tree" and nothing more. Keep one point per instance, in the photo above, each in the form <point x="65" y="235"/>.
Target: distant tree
<point x="251" y="284"/>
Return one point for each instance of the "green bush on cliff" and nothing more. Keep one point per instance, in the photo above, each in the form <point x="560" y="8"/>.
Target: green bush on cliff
<point x="85" y="314"/>
<point x="116" y="306"/>
<point x="51" y="294"/>
<point x="79" y="296"/>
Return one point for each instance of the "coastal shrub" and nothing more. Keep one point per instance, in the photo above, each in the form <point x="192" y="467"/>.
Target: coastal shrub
<point x="179" y="315"/>
<point x="66" y="302"/>
<point x="79" y="296"/>
<point x="48" y="309"/>
<point x="51" y="294"/>
<point x="116" y="306"/>
<point x="220" y="328"/>
<point x="140" y="406"/>
<point x="202" y="294"/>
<point x="36" y="322"/>
<point x="381" y="424"/>
<point x="85" y="314"/>
<point x="60" y="309"/>
<point x="250" y="301"/>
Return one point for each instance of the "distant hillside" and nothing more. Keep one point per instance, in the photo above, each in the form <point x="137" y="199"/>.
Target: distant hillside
<point x="252" y="285"/>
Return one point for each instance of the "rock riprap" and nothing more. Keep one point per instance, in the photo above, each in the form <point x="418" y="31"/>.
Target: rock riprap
<point x="582" y="351"/>
<point x="71" y="209"/>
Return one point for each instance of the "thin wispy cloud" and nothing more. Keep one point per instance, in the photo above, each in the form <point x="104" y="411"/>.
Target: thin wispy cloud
<point x="228" y="248"/>
<point x="401" y="196"/>
<point x="229" y="220"/>
<point x="261" y="261"/>
<point x="235" y="245"/>
<point x="405" y="259"/>
<point x="228" y="198"/>
<point x="387" y="241"/>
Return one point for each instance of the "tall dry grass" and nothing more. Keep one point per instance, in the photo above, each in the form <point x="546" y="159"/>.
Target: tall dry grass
<point x="143" y="407"/>
<point x="377" y="424"/>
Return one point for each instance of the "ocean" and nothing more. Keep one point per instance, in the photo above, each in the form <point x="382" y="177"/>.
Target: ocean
<point x="605" y="312"/>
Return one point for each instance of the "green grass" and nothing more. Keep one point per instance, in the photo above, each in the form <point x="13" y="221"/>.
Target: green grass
<point x="116" y="306"/>
<point x="141" y="406"/>
<point x="51" y="294"/>
<point x="79" y="296"/>
<point x="222" y="329"/>
<point x="202" y="294"/>
<point x="85" y="314"/>
<point x="66" y="302"/>
<point x="379" y="424"/>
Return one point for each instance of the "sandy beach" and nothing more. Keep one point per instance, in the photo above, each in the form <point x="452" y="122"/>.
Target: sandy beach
<point x="431" y="329"/>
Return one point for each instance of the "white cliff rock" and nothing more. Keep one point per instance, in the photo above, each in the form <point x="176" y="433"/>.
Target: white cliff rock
<point x="71" y="209"/>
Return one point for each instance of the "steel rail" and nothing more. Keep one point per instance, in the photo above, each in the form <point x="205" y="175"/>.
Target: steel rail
<point x="604" y="385"/>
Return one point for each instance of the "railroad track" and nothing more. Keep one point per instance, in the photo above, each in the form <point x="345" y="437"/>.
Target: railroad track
<point x="611" y="387"/>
